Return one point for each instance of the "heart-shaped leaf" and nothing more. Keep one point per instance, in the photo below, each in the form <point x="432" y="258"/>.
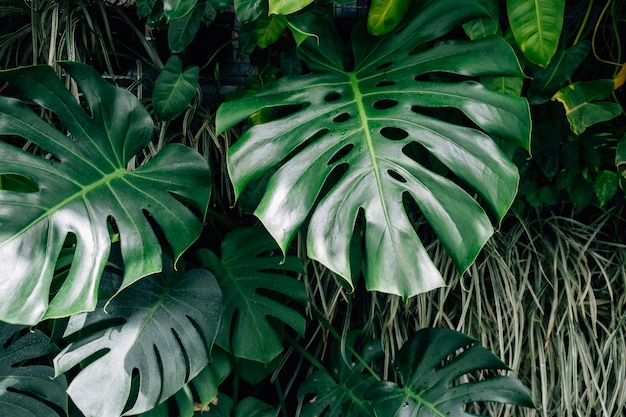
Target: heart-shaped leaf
<point x="356" y="144"/>
<point x="175" y="9"/>
<point x="163" y="328"/>
<point x="537" y="26"/>
<point x="385" y="15"/>
<point x="429" y="366"/>
<point x="174" y="88"/>
<point x="581" y="104"/>
<point x="84" y="190"/>
<point x="28" y="390"/>
<point x="183" y="30"/>
<point x="256" y="285"/>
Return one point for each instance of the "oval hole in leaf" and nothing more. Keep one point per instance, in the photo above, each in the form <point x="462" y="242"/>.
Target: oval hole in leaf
<point x="18" y="183"/>
<point x="385" y="104"/>
<point x="394" y="133"/>
<point x="306" y="143"/>
<point x="341" y="118"/>
<point x="334" y="96"/>
<point x="385" y="83"/>
<point x="385" y="65"/>
<point x="396" y="176"/>
<point x="339" y="155"/>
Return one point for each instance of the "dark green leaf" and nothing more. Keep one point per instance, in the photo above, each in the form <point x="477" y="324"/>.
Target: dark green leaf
<point x="220" y="5"/>
<point x="256" y="285"/>
<point x="368" y="121"/>
<point x="183" y="30"/>
<point x="484" y="26"/>
<point x="162" y="327"/>
<point x="581" y="106"/>
<point x="84" y="190"/>
<point x="144" y="7"/>
<point x="253" y="407"/>
<point x="537" y="26"/>
<point x="249" y="10"/>
<point x="580" y="192"/>
<point x="548" y="81"/>
<point x="267" y="30"/>
<point x="175" y="9"/>
<point x="28" y="390"/>
<point x="620" y="154"/>
<point x="385" y="15"/>
<point x="430" y="366"/>
<point x="174" y="88"/>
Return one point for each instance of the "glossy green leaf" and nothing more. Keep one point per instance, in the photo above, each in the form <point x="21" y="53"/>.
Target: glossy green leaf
<point x="174" y="88"/>
<point x="620" y="154"/>
<point x="28" y="389"/>
<point x="605" y="186"/>
<point x="162" y="327"/>
<point x="285" y="7"/>
<point x="385" y="15"/>
<point x="183" y="30"/>
<point x="257" y="285"/>
<point x="267" y="30"/>
<point x="220" y="5"/>
<point x="249" y="10"/>
<point x="369" y="122"/>
<point x="582" y="108"/>
<point x="537" y="26"/>
<point x="504" y="85"/>
<point x="86" y="191"/>
<point x="429" y="367"/>
<point x="175" y="9"/>
<point x="484" y="26"/>
<point x="547" y="81"/>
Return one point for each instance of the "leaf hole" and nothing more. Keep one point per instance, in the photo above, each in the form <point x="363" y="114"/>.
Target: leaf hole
<point x="341" y="154"/>
<point x="343" y="117"/>
<point x="385" y="83"/>
<point x="396" y="176"/>
<point x="135" y="381"/>
<point x="384" y="66"/>
<point x="17" y="183"/>
<point x="201" y="332"/>
<point x="385" y="104"/>
<point x="394" y="133"/>
<point x="334" y="96"/>
<point x="185" y="354"/>
<point x="449" y="115"/>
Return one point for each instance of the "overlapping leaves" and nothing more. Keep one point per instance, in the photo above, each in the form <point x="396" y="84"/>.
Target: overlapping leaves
<point x="82" y="191"/>
<point x="27" y="389"/>
<point x="163" y="328"/>
<point x="360" y="138"/>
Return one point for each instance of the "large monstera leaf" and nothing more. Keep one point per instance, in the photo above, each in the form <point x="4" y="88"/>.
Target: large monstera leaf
<point x="27" y="389"/>
<point x="162" y="328"/>
<point x="357" y="140"/>
<point x="430" y="366"/>
<point x="258" y="286"/>
<point x="85" y="190"/>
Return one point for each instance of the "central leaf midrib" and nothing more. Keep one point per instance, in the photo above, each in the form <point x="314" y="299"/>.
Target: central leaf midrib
<point x="358" y="99"/>
<point x="118" y="173"/>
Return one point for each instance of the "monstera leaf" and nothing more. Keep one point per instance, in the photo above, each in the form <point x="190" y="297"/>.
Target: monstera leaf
<point x="163" y="328"/>
<point x="84" y="192"/>
<point x="28" y="390"/>
<point x="358" y="139"/>
<point x="428" y="388"/>
<point x="255" y="284"/>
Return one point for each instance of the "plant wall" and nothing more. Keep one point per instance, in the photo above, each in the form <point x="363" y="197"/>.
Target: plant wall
<point x="178" y="245"/>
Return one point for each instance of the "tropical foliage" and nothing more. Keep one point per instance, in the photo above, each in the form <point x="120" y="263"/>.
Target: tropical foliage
<point x="301" y="238"/>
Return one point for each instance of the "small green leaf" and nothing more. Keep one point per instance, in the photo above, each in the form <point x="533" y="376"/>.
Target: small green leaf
<point x="302" y="27"/>
<point x="385" y="15"/>
<point x="537" y="26"/>
<point x="547" y="81"/>
<point x="162" y="327"/>
<point x="581" y="106"/>
<point x="183" y="30"/>
<point x="605" y="186"/>
<point x="220" y="5"/>
<point x="144" y="7"/>
<point x="484" y="26"/>
<point x="28" y="390"/>
<point x="174" y="89"/>
<point x="620" y="154"/>
<point x="249" y="10"/>
<point x="175" y="9"/>
<point x="285" y="7"/>
<point x="268" y="29"/>
<point x="580" y="192"/>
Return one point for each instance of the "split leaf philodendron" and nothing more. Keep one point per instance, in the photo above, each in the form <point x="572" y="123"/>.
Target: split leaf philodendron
<point x="85" y="191"/>
<point x="358" y="137"/>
